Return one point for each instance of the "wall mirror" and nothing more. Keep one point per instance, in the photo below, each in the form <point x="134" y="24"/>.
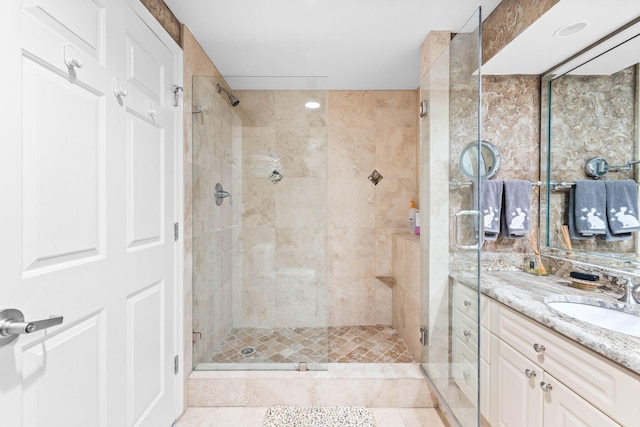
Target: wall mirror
<point x="591" y="108"/>
<point x="484" y="163"/>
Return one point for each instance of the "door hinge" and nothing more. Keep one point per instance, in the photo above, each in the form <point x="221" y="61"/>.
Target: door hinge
<point x="176" y="231"/>
<point x="424" y="336"/>
<point x="176" y="364"/>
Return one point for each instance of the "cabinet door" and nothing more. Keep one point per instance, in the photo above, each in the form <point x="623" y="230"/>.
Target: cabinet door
<point x="516" y="399"/>
<point x="564" y="408"/>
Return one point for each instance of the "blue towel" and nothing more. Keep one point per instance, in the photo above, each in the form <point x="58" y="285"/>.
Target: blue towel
<point x="517" y="203"/>
<point x="590" y="208"/>
<point x="491" y="206"/>
<point x="622" y="207"/>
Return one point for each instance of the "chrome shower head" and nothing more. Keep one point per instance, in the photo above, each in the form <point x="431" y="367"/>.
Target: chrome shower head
<point x="232" y="100"/>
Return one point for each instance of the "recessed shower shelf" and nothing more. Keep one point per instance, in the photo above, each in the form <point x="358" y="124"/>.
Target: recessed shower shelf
<point x="387" y="280"/>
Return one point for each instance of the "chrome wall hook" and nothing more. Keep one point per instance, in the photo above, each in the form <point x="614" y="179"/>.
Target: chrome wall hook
<point x="177" y="92"/>
<point x="220" y="194"/>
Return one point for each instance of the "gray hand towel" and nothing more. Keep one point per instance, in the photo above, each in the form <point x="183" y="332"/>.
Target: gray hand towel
<point x="622" y="206"/>
<point x="573" y="234"/>
<point x="517" y="203"/>
<point x="490" y="207"/>
<point x="590" y="207"/>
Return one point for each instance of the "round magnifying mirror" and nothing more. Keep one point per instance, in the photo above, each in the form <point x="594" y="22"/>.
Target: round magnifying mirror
<point x="488" y="162"/>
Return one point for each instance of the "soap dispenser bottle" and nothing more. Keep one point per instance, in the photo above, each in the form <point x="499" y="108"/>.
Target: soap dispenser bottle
<point x="412" y="217"/>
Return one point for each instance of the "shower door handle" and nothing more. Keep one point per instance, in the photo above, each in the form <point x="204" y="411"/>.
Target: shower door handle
<point x="12" y="324"/>
<point x="456" y="230"/>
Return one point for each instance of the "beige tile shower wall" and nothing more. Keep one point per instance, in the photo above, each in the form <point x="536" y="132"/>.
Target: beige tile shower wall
<point x="367" y="131"/>
<point x="216" y="229"/>
<point x="200" y="230"/>
<point x="284" y="223"/>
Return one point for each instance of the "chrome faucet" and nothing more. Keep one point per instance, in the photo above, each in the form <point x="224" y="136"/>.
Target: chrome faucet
<point x="629" y="289"/>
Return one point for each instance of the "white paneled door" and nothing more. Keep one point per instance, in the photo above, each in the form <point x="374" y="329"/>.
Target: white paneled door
<point x="88" y="196"/>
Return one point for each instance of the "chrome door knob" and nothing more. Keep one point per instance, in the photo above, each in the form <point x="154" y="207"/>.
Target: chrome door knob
<point x="12" y="324"/>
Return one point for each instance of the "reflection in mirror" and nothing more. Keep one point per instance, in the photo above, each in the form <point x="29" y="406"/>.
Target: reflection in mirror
<point x="489" y="161"/>
<point x="591" y="113"/>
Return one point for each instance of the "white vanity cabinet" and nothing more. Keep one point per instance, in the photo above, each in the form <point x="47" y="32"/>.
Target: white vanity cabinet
<point x="539" y="378"/>
<point x="464" y="344"/>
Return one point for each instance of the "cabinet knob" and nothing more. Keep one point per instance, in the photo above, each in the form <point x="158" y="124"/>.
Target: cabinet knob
<point x="529" y="373"/>
<point x="467" y="303"/>
<point x="467" y="333"/>
<point x="546" y="387"/>
<point x="539" y="348"/>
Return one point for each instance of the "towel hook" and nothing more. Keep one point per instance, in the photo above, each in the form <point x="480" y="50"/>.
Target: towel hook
<point x="220" y="194"/>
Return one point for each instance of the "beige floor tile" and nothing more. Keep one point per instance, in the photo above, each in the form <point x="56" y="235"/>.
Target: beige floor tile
<point x="420" y="417"/>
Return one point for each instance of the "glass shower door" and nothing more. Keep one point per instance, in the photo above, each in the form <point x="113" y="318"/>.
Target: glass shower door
<point x="451" y="278"/>
<point x="259" y="256"/>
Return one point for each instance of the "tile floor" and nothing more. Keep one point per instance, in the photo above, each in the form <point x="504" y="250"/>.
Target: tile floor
<point x="347" y="344"/>
<point x="252" y="417"/>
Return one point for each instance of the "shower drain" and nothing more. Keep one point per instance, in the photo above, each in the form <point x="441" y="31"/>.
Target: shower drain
<point x="247" y="351"/>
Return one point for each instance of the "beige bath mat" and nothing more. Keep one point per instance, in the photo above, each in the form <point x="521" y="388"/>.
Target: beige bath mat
<point x="318" y="416"/>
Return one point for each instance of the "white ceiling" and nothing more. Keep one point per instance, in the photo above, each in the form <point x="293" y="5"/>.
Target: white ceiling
<point x="323" y="44"/>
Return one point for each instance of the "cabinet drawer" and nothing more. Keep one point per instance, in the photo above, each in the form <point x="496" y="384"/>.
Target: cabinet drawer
<point x="466" y="300"/>
<point x="465" y="369"/>
<point x="466" y="329"/>
<point x="604" y="384"/>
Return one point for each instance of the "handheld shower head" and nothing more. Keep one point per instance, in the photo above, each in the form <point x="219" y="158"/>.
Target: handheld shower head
<point x="232" y="100"/>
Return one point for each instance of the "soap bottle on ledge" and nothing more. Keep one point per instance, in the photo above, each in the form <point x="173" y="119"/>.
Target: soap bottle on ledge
<point x="417" y="231"/>
<point x="412" y="217"/>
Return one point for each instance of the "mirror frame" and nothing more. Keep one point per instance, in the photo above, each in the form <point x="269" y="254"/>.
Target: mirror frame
<point x="492" y="151"/>
<point x="604" y="259"/>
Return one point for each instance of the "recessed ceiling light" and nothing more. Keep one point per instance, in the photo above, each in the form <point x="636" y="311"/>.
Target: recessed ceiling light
<point x="570" y="29"/>
<point x="312" y="105"/>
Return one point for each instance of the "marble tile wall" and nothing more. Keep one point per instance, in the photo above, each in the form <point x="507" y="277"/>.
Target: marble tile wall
<point x="284" y="235"/>
<point x="508" y="20"/>
<point x="592" y="116"/>
<point x="407" y="290"/>
<point x="196" y="62"/>
<point x="367" y="131"/>
<point x="325" y="215"/>
<point x="216" y="157"/>
<point x="165" y="17"/>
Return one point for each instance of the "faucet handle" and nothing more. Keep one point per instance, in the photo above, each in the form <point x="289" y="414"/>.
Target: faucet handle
<point x="629" y="289"/>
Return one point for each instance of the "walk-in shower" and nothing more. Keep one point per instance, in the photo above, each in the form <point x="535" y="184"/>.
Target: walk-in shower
<point x="261" y="287"/>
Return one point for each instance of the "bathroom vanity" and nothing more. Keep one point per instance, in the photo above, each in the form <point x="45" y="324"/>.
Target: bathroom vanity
<point x="540" y="367"/>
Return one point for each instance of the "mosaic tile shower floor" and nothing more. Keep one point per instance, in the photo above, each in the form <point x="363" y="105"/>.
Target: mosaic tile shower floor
<point x="347" y="344"/>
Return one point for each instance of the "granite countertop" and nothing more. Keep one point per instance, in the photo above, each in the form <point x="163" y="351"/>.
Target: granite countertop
<point x="526" y="294"/>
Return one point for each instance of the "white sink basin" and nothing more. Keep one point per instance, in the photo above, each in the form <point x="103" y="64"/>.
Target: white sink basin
<point x="600" y="316"/>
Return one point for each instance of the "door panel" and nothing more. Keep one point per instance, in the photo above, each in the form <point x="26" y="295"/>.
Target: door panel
<point x="146" y="362"/>
<point x="82" y="23"/>
<point x="48" y="360"/>
<point x="145" y="183"/>
<point x="63" y="169"/>
<point x="88" y="211"/>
